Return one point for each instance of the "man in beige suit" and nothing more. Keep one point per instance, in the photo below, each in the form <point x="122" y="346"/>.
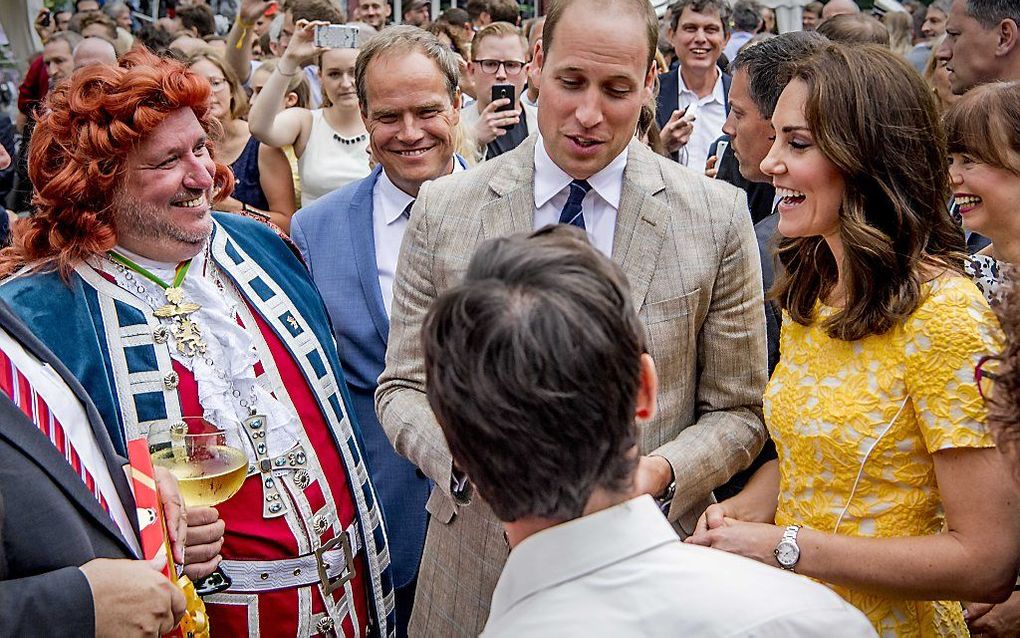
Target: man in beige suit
<point x="685" y="243"/>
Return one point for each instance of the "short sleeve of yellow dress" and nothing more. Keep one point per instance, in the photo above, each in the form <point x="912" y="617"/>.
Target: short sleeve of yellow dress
<point x="856" y="423"/>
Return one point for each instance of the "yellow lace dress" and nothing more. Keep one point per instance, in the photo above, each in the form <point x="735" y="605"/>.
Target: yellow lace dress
<point x="830" y="402"/>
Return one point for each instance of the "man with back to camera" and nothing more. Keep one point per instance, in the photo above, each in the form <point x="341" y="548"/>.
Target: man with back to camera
<point x="699" y="31"/>
<point x="350" y="240"/>
<point x="498" y="57"/>
<point x="685" y="242"/>
<point x="543" y="330"/>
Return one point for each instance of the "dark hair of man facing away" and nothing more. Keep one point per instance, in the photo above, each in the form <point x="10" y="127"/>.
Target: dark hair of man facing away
<point x="746" y="16"/>
<point x="533" y="366"/>
<point x="768" y="65"/>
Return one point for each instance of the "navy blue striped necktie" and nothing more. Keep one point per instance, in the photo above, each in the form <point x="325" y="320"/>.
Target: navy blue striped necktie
<point x="571" y="213"/>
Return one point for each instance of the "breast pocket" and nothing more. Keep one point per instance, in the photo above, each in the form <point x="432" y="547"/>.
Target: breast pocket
<point x="669" y="309"/>
<point x="671" y="331"/>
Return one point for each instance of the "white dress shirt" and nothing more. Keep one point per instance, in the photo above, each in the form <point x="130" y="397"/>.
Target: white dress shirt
<point x="623" y="572"/>
<point x="710" y="115"/>
<point x="68" y="410"/>
<point x="599" y="207"/>
<point x="388" y="226"/>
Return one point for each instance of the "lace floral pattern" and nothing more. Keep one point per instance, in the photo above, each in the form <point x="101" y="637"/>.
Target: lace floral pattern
<point x="887" y="402"/>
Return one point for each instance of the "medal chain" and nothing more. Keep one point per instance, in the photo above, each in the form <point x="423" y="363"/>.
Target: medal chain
<point x="247" y="403"/>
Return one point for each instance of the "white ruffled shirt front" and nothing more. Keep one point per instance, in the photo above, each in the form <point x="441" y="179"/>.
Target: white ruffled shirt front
<point x="225" y="374"/>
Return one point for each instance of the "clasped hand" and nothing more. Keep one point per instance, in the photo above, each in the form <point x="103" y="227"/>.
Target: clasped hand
<point x="719" y="529"/>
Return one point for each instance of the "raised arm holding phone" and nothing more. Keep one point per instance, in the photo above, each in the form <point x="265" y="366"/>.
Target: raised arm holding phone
<point x="330" y="143"/>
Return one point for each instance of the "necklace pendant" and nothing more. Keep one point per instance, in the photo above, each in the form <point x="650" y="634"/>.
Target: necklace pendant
<point x="188" y="336"/>
<point x="174" y="295"/>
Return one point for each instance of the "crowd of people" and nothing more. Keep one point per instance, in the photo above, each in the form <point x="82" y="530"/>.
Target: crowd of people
<point x="596" y="323"/>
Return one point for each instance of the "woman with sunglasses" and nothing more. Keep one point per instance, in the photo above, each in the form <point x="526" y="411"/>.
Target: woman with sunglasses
<point x="983" y="131"/>
<point x="887" y="487"/>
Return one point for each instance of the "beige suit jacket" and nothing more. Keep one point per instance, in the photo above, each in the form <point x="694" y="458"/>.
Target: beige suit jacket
<point x="687" y="246"/>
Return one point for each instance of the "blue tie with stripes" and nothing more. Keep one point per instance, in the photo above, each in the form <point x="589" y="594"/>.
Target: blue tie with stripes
<point x="571" y="213"/>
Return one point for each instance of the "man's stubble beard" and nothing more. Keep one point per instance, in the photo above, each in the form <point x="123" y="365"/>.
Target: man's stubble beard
<point x="153" y="223"/>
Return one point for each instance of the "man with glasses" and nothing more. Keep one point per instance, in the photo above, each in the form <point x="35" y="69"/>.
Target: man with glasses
<point x="498" y="54"/>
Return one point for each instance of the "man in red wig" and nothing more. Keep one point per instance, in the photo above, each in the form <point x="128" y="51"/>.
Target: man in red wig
<point x="164" y="311"/>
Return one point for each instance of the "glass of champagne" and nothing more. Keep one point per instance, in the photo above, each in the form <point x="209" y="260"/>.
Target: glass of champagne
<point x="209" y="471"/>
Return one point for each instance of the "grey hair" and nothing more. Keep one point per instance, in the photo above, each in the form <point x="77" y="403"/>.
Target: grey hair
<point x="746" y="15"/>
<point x="991" y="12"/>
<point x="769" y="65"/>
<point x="941" y="5"/>
<point x="70" y="37"/>
<point x="402" y="40"/>
<point x="113" y="8"/>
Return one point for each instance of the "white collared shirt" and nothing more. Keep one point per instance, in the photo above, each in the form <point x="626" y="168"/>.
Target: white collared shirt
<point x="68" y="410"/>
<point x="624" y="572"/>
<point x="710" y="115"/>
<point x="599" y="207"/>
<point x="388" y="226"/>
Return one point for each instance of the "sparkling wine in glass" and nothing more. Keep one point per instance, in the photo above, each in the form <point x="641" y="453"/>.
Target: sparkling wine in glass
<point x="209" y="471"/>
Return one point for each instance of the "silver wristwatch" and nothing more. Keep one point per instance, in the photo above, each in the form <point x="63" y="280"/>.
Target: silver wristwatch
<point x="787" y="550"/>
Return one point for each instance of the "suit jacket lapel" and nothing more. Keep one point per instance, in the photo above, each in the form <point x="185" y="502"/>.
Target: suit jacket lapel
<point x="26" y="436"/>
<point x="641" y="221"/>
<point x="513" y="210"/>
<point x="362" y="236"/>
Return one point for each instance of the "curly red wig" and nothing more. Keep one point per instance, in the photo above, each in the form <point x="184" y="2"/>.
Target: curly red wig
<point x="78" y="155"/>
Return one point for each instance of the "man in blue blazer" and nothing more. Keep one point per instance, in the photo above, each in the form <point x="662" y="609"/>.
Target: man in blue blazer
<point x="350" y="240"/>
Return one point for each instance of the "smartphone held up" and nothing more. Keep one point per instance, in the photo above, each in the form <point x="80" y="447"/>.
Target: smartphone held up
<point x="336" y="36"/>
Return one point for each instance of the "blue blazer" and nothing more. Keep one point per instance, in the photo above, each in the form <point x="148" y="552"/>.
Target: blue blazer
<point x="336" y="238"/>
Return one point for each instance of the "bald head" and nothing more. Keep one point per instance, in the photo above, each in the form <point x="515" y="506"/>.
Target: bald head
<point x="839" y="7"/>
<point x="187" y="44"/>
<point x="94" y="50"/>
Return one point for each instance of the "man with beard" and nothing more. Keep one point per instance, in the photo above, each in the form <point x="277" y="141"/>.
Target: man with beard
<point x="174" y="319"/>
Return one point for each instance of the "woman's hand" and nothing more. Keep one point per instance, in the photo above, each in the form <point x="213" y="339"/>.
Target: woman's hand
<point x="996" y="621"/>
<point x="751" y="540"/>
<point x="301" y="47"/>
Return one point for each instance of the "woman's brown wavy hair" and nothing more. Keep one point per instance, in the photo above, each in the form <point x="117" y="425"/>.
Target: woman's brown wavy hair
<point x="874" y="118"/>
<point x="78" y="156"/>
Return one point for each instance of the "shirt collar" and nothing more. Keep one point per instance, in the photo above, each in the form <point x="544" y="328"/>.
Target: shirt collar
<point x="550" y="179"/>
<point x="570" y="550"/>
<point x="718" y="94"/>
<point x="394" y="200"/>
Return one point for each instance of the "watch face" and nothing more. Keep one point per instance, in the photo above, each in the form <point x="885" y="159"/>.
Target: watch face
<point x="787" y="553"/>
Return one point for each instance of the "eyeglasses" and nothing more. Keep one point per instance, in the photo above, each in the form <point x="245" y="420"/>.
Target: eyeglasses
<point x="217" y="83"/>
<point x="513" y="67"/>
<point x="986" y="373"/>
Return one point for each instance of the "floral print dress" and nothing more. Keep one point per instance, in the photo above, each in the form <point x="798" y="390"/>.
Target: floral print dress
<point x="856" y="425"/>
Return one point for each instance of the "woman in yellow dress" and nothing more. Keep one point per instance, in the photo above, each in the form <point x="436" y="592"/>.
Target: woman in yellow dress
<point x="887" y="487"/>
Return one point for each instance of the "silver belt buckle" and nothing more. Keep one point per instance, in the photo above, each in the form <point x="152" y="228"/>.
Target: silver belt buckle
<point x="329" y="586"/>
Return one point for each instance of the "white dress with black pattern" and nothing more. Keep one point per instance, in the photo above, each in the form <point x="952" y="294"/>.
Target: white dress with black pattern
<point x="989" y="276"/>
